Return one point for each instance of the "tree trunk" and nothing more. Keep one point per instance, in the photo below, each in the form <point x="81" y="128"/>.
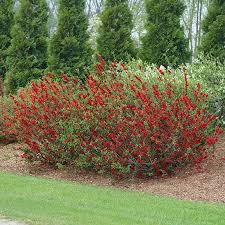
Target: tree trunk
<point x="197" y="29"/>
<point x="190" y="31"/>
<point x="200" y="23"/>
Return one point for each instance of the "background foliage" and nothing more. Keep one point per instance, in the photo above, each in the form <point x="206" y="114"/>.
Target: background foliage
<point x="70" y="50"/>
<point x="6" y="22"/>
<point x="27" y="54"/>
<point x="114" y="39"/>
<point x="164" y="43"/>
<point x="213" y="42"/>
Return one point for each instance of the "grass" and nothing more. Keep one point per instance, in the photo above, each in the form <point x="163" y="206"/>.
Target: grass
<point x="49" y="202"/>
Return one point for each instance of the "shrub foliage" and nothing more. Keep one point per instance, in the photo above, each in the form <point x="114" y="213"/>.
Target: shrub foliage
<point x="211" y="73"/>
<point x="118" y="122"/>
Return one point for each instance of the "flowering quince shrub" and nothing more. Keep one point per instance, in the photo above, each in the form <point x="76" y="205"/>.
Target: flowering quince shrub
<point x="7" y="135"/>
<point x="44" y="116"/>
<point x="117" y="122"/>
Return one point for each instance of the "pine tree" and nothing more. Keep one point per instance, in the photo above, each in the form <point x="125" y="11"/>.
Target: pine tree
<point x="114" y="39"/>
<point x="27" y="57"/>
<point x="213" y="41"/>
<point x="6" y="20"/>
<point x="70" y="49"/>
<point x="165" y="42"/>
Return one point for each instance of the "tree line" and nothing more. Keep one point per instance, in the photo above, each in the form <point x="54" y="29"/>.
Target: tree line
<point x="27" y="49"/>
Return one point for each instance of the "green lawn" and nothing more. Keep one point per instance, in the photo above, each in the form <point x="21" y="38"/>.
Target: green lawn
<point x="49" y="202"/>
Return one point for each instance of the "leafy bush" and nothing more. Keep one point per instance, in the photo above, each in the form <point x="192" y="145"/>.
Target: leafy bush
<point x="211" y="73"/>
<point x="119" y="122"/>
<point x="7" y="134"/>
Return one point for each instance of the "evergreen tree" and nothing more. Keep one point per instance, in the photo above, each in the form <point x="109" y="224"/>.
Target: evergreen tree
<point x="165" y="42"/>
<point x="114" y="39"/>
<point x="70" y="49"/>
<point x="6" y="20"/>
<point x="213" y="41"/>
<point x="27" y="57"/>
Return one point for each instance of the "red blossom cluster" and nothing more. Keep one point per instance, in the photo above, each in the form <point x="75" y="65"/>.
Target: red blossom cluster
<point x="114" y="123"/>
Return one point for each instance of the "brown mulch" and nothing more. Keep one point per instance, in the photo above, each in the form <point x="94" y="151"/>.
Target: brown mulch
<point x="205" y="185"/>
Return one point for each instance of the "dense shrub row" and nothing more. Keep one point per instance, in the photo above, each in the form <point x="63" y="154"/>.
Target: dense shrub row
<point x="117" y="122"/>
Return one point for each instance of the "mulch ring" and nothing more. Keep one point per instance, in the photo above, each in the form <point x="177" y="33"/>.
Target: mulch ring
<point x="207" y="185"/>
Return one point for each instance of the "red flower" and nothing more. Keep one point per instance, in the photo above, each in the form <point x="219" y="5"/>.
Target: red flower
<point x="107" y="144"/>
<point x="133" y="88"/>
<point x="218" y="130"/>
<point x="211" y="141"/>
<point x="101" y="60"/>
<point x="103" y="124"/>
<point x="164" y="105"/>
<point x="50" y="75"/>
<point x="161" y="71"/>
<point x="156" y="91"/>
<point x="23" y="155"/>
<point x="186" y="80"/>
<point x="123" y="66"/>
<point x="65" y="78"/>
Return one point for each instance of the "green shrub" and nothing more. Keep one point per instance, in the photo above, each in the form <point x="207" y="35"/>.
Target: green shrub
<point x="211" y="73"/>
<point x="6" y="21"/>
<point x="164" y="42"/>
<point x="114" y="40"/>
<point x="213" y="39"/>
<point x="69" y="49"/>
<point x="27" y="54"/>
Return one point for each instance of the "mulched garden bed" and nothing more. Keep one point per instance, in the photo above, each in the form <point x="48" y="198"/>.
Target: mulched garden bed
<point x="205" y="185"/>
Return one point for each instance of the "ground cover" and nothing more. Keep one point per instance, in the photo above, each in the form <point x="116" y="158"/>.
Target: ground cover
<point x="42" y="201"/>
